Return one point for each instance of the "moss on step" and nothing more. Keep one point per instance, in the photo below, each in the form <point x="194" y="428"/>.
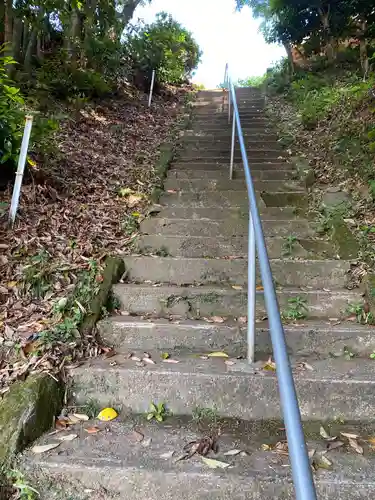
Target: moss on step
<point x="346" y="245"/>
<point x="304" y="172"/>
<point x="369" y="293"/>
<point x="26" y="411"/>
<point x="298" y="200"/>
<point x="113" y="271"/>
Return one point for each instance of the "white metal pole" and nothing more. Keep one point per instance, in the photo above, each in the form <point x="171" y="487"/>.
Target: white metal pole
<point x="251" y="292"/>
<point x="151" y="87"/>
<point x="232" y="148"/>
<point x="20" y="170"/>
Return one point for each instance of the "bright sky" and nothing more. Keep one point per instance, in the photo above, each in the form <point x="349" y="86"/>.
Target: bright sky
<point x="223" y="35"/>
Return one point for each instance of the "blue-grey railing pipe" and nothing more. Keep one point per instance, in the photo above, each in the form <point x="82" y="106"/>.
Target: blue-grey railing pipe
<point x="301" y="468"/>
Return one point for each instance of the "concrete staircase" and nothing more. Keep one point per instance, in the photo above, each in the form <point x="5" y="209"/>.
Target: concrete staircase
<point x="185" y="295"/>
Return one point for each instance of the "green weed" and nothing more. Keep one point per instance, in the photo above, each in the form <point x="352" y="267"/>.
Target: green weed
<point x="157" y="411"/>
<point x="289" y="245"/>
<point x="297" y="309"/>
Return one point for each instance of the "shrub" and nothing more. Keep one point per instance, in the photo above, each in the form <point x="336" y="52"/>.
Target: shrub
<point x="165" y="46"/>
<point x="64" y="81"/>
<point x="11" y="116"/>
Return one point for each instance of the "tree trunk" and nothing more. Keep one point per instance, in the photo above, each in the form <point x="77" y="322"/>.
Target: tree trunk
<point x="30" y="51"/>
<point x="73" y="37"/>
<point x="17" y="39"/>
<point x="89" y="30"/>
<point x="328" y="38"/>
<point x="25" y="38"/>
<point x="2" y="16"/>
<point x="288" y="50"/>
<point x="126" y="14"/>
<point x="39" y="47"/>
<point x="8" y="27"/>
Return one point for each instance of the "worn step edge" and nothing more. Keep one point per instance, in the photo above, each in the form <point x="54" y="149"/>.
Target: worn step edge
<point x="196" y="184"/>
<point x="204" y="301"/>
<point x="331" y="274"/>
<point x="299" y="228"/>
<point x="232" y="247"/>
<point x="126" y="333"/>
<point x="219" y="213"/>
<point x="331" y="388"/>
<point x="112" y="463"/>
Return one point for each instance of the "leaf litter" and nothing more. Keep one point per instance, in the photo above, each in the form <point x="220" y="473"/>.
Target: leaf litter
<point x="65" y="223"/>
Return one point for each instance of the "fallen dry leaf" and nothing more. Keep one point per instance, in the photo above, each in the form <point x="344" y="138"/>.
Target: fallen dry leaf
<point x="321" y="461"/>
<point x="170" y="360"/>
<point x="92" y="430"/>
<point x="269" y="365"/>
<point x="232" y="453"/>
<point x="353" y="443"/>
<point x="107" y="414"/>
<point x="167" y="455"/>
<point x="214" y="464"/>
<point x="325" y="434"/>
<point x="217" y="319"/>
<point x="136" y="436"/>
<point x="218" y="354"/>
<point x="149" y="361"/>
<point x="349" y="435"/>
<point x="67" y="437"/>
<point x="333" y="445"/>
<point x="81" y="417"/>
<point x="44" y="447"/>
<point x="237" y="287"/>
<point x="146" y="442"/>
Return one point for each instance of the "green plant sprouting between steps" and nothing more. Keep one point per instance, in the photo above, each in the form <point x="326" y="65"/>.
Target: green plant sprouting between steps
<point x="297" y="309"/>
<point x="202" y="414"/>
<point x="358" y="310"/>
<point x="289" y="245"/>
<point x="19" y="483"/>
<point x="157" y="411"/>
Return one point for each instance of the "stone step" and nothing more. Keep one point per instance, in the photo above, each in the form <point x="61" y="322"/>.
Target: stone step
<point x="113" y="465"/>
<point x="253" y="157"/>
<point x="209" y="142"/>
<point x="259" y="175"/>
<point x="230" y="247"/>
<point x="204" y="301"/>
<point x="227" y="134"/>
<point x="232" y="199"/>
<point x="261" y="126"/>
<point x="332" y="274"/>
<point x="224" y="148"/>
<point x="314" y="339"/>
<point x="220" y="213"/>
<point x="230" y="227"/>
<point x="257" y="152"/>
<point x="198" y="184"/>
<point x="223" y="166"/>
<point x="332" y="387"/>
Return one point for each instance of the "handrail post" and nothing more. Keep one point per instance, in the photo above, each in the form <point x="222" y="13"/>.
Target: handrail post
<point x="20" y="169"/>
<point x="251" y="291"/>
<point x="232" y="149"/>
<point x="151" y="87"/>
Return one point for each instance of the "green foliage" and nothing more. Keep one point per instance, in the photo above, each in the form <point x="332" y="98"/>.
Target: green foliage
<point x="63" y="81"/>
<point x="11" y="115"/>
<point x="165" y="46"/>
<point x="251" y="81"/>
<point x="157" y="411"/>
<point x="24" y="490"/>
<point x="289" y="245"/>
<point x="297" y="309"/>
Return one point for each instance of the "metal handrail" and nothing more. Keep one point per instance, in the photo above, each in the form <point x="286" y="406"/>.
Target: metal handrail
<point x="301" y="467"/>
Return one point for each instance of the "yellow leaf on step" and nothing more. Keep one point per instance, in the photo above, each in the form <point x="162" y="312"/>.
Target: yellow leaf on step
<point x="218" y="354"/>
<point x="107" y="414"/>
